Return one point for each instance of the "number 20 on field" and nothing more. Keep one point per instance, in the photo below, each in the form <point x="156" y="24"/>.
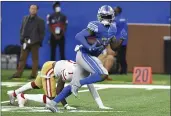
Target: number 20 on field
<point x="142" y="75"/>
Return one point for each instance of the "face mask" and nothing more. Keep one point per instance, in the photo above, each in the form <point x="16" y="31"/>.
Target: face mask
<point x="58" y="9"/>
<point x="105" y="22"/>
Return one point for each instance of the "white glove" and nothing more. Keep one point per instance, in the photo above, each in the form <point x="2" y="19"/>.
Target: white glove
<point x="67" y="107"/>
<point x="77" y="47"/>
<point x="105" y="108"/>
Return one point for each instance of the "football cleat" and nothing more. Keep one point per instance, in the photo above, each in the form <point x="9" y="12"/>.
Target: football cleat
<point x="12" y="96"/>
<point x="51" y="106"/>
<point x="74" y="90"/>
<point x="21" y="100"/>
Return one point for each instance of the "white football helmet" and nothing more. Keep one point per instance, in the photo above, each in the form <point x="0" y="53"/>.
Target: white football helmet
<point x="105" y="14"/>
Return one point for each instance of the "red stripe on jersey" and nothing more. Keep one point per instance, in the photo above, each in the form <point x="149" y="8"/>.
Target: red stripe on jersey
<point x="63" y="75"/>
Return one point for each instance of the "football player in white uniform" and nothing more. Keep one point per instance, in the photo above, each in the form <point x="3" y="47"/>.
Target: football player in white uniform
<point x="64" y="71"/>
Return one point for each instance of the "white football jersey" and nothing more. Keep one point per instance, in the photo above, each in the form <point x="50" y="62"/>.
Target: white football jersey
<point x="65" y="69"/>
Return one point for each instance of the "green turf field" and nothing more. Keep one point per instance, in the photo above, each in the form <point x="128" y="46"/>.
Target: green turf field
<point x="125" y="102"/>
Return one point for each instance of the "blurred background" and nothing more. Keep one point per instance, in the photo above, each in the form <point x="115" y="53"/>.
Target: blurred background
<point x="148" y="25"/>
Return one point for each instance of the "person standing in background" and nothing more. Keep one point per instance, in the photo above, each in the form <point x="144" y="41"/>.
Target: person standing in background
<point x="31" y="36"/>
<point x="57" y="23"/>
<point x="122" y="34"/>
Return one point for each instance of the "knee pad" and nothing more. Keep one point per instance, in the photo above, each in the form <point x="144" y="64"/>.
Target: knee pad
<point x="34" y="86"/>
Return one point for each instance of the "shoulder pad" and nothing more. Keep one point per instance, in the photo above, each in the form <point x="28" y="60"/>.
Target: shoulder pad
<point x="92" y="26"/>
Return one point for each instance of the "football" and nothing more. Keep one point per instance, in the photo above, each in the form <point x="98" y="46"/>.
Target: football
<point x="91" y="40"/>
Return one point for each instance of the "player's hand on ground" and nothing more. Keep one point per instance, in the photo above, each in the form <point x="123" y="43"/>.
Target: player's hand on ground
<point x="105" y="108"/>
<point x="67" y="107"/>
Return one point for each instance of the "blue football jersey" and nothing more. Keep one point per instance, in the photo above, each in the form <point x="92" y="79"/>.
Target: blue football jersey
<point x="103" y="33"/>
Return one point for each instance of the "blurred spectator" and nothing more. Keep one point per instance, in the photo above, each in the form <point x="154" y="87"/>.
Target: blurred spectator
<point x="57" y="23"/>
<point x="122" y="30"/>
<point x="31" y="36"/>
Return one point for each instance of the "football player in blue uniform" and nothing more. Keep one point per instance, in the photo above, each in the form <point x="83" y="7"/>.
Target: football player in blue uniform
<point x="104" y="30"/>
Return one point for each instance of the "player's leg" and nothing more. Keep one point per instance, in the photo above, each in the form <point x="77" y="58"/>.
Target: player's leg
<point x="90" y="64"/>
<point x="94" y="66"/>
<point x="96" y="97"/>
<point x="28" y="86"/>
<point x="33" y="97"/>
<point x="34" y="84"/>
<point x="49" y="87"/>
<point x="47" y="70"/>
<point x="108" y="63"/>
<point x="77" y="75"/>
<point x="102" y="58"/>
<point x="47" y="81"/>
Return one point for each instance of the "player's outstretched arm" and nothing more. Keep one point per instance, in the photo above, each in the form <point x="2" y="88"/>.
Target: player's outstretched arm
<point x="60" y="86"/>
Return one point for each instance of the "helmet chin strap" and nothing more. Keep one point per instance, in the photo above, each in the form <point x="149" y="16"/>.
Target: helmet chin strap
<point x="105" y="22"/>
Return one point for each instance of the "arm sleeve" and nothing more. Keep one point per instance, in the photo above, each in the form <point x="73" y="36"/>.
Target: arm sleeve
<point x="81" y="37"/>
<point x="91" y="29"/>
<point x="59" y="88"/>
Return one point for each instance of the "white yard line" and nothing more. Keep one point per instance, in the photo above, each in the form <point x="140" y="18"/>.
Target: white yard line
<point x="81" y="91"/>
<point x="12" y="84"/>
<point x="99" y="86"/>
<point x="86" y="90"/>
<point x="6" y="102"/>
<point x="42" y="109"/>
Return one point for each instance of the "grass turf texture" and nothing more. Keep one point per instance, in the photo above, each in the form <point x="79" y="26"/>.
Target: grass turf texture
<point x="125" y="102"/>
<point x="117" y="79"/>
